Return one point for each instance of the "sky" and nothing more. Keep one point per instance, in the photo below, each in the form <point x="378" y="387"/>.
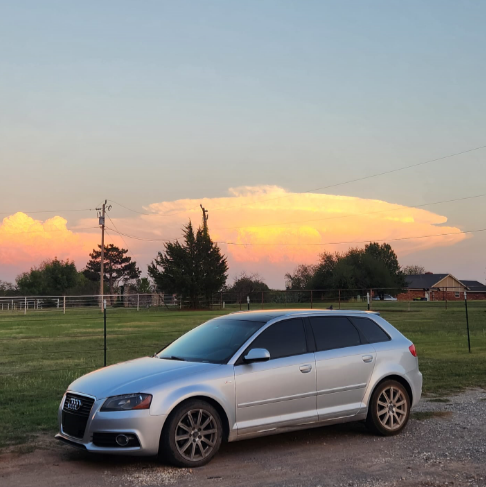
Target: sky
<point x="248" y="108"/>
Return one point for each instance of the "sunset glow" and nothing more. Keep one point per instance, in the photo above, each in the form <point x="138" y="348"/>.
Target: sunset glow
<point x="25" y="242"/>
<point x="263" y="228"/>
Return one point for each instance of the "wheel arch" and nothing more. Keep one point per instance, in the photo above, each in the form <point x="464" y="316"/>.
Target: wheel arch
<point x="213" y="402"/>
<point x="398" y="378"/>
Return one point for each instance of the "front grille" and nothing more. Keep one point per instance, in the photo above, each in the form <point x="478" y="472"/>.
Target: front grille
<point x="75" y="414"/>
<point x="108" y="440"/>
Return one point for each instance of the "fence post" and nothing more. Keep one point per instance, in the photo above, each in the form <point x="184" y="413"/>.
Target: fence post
<point x="221" y="300"/>
<point x="368" y="296"/>
<point x="467" y="323"/>
<point x="312" y="299"/>
<point x="25" y="306"/>
<point x="446" y="297"/>
<point x="64" y="304"/>
<point x="138" y="302"/>
<point x="104" y="330"/>
<point x="339" y="292"/>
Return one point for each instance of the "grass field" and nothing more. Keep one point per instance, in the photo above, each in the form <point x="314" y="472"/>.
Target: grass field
<point x="42" y="352"/>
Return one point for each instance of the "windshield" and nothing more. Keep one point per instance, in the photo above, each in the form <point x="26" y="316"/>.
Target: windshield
<point x="215" y="341"/>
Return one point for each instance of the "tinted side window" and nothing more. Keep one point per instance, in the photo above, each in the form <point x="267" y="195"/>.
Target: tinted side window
<point x="334" y="332"/>
<point x="283" y="339"/>
<point x="370" y="330"/>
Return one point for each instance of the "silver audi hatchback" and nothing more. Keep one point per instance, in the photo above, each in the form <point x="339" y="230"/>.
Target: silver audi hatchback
<point x="244" y="375"/>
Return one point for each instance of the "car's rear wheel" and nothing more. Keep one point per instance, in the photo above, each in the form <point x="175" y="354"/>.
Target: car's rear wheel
<point x="389" y="408"/>
<point x="192" y="434"/>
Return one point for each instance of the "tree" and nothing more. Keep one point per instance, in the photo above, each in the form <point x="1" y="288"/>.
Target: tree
<point x="193" y="269"/>
<point x="413" y="270"/>
<point x="244" y="285"/>
<point x="301" y="277"/>
<point x="7" y="289"/>
<point x="384" y="253"/>
<point x="143" y="286"/>
<point x="375" y="266"/>
<point x="117" y="267"/>
<point x="54" y="277"/>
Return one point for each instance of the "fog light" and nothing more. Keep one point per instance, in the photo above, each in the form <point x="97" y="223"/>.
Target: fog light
<point x="122" y="440"/>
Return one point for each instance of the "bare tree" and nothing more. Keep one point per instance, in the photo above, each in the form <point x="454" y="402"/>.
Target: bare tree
<point x="413" y="270"/>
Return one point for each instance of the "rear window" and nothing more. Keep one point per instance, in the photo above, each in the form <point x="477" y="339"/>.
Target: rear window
<point x="334" y="332"/>
<point x="373" y="332"/>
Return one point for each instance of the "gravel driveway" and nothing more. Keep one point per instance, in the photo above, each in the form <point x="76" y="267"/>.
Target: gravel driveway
<point x="444" y="444"/>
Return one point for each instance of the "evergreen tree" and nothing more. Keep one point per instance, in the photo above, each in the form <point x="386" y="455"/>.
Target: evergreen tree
<point x="117" y="266"/>
<point x="193" y="269"/>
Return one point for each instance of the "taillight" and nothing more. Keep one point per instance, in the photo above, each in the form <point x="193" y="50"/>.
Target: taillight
<point x="412" y="349"/>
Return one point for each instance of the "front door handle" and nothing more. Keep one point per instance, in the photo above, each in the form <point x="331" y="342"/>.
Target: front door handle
<point x="305" y="368"/>
<point x="367" y="358"/>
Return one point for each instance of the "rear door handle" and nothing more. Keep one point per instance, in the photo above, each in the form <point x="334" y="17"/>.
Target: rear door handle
<point x="305" y="368"/>
<point x="367" y="358"/>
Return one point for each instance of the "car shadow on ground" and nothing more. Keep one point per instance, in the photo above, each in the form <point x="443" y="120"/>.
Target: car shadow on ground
<point x="238" y="450"/>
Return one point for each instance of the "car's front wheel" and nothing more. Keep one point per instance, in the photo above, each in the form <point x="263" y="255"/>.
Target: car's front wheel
<point x="192" y="434"/>
<point x="389" y="408"/>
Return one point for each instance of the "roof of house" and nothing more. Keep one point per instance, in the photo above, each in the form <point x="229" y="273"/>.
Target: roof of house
<point x="423" y="281"/>
<point x="427" y="281"/>
<point x="474" y="286"/>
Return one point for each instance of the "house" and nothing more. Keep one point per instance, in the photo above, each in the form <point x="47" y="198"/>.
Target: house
<point x="441" y="287"/>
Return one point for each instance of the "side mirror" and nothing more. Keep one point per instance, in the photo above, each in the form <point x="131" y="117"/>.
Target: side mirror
<point x="257" y="355"/>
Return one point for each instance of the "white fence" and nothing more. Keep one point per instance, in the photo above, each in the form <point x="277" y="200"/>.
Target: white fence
<point x="26" y="304"/>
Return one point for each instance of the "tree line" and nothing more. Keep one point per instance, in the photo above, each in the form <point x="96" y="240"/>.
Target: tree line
<point x="195" y="268"/>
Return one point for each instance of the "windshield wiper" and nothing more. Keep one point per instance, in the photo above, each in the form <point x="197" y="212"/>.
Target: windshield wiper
<point x="173" y="357"/>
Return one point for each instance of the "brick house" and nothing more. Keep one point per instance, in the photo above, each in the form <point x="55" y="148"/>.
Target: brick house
<point x="439" y="287"/>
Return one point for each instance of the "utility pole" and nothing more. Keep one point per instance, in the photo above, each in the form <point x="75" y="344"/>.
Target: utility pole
<point x="205" y="216"/>
<point x="101" y="221"/>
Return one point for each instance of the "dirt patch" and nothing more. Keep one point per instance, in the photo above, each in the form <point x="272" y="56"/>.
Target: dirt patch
<point x="446" y="447"/>
<point x="421" y="415"/>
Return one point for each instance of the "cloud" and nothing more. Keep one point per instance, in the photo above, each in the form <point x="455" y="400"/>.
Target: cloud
<point x="261" y="229"/>
<point x="25" y="242"/>
<point x="268" y="223"/>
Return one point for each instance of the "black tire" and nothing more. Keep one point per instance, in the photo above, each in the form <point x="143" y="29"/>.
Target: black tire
<point x="389" y="409"/>
<point x="192" y="434"/>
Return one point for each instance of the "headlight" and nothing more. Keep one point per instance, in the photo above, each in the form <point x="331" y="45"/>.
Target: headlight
<point x="127" y="402"/>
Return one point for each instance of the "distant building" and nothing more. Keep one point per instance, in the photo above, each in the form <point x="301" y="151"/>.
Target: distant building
<point x="439" y="287"/>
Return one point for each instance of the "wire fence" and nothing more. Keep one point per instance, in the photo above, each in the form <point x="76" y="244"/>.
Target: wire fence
<point x="246" y="299"/>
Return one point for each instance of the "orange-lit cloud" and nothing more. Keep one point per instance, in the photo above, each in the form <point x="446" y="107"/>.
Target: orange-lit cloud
<point x="25" y="242"/>
<point x="272" y="225"/>
<point x="275" y="230"/>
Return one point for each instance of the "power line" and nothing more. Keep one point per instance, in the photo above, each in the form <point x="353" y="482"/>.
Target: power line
<point x="318" y="244"/>
<point x="141" y="238"/>
<point x="403" y="168"/>
<point x="113" y="223"/>
<point x="134" y="211"/>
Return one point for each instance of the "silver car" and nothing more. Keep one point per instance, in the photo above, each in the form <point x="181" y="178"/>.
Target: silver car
<point x="245" y="375"/>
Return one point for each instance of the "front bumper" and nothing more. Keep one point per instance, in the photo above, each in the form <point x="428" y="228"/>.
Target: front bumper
<point x="142" y="424"/>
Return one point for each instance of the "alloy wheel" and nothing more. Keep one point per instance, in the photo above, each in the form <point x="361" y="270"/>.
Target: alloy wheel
<point x="196" y="434"/>
<point x="392" y="408"/>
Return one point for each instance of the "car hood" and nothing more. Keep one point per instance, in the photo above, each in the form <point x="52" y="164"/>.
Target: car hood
<point x="140" y="375"/>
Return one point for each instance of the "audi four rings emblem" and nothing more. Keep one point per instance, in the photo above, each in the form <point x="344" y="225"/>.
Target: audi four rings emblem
<point x="73" y="404"/>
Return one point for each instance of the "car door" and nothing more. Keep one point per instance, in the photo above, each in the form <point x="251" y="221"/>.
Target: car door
<point x="281" y="391"/>
<point x="344" y="364"/>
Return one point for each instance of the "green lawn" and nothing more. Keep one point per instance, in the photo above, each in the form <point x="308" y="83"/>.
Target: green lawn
<point x="43" y="351"/>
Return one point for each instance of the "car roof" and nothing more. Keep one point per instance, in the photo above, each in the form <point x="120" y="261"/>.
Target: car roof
<point x="264" y="316"/>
